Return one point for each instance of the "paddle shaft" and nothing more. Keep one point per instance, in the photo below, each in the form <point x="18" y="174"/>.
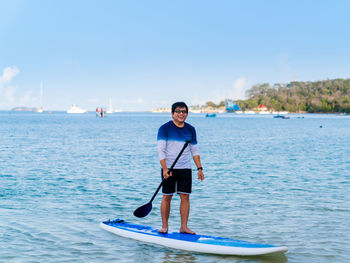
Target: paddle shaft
<point x="171" y="168"/>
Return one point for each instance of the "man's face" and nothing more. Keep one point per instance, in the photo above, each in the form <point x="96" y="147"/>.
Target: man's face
<point x="180" y="114"/>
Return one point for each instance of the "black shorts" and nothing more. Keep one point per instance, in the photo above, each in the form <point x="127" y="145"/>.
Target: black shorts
<point x="180" y="182"/>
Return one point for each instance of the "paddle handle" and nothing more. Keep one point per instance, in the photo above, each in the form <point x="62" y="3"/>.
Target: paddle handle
<point x="171" y="168"/>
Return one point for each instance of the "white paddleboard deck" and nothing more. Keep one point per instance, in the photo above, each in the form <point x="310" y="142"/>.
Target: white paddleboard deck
<point x="188" y="242"/>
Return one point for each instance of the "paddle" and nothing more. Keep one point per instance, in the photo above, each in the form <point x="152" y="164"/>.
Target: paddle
<point x="144" y="210"/>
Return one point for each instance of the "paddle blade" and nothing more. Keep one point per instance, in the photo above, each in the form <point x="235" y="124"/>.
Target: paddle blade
<point x="144" y="210"/>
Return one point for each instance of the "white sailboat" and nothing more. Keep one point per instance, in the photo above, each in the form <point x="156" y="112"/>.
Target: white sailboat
<point x="110" y="108"/>
<point x="74" y="109"/>
<point x="41" y="109"/>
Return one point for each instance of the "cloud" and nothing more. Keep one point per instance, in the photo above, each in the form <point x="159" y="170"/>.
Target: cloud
<point x="239" y="88"/>
<point x="7" y="75"/>
<point x="140" y="100"/>
<point x="7" y="93"/>
<point x="236" y="92"/>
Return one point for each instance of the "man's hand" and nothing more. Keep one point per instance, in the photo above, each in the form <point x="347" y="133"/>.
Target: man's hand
<point x="166" y="175"/>
<point x="200" y="175"/>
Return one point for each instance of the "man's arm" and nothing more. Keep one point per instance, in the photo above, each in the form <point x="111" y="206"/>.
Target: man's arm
<point x="165" y="169"/>
<point x="197" y="161"/>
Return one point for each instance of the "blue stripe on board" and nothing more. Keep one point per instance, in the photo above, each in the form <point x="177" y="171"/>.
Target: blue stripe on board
<point x="221" y="241"/>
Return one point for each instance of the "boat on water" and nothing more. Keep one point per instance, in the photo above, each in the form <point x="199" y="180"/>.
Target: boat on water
<point x="74" y="109"/>
<point x="110" y="107"/>
<point x="281" y="117"/>
<point x="41" y="109"/>
<point x="210" y="115"/>
<point x="100" y="113"/>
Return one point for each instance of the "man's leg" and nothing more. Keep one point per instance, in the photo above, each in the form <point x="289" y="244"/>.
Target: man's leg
<point x="165" y="212"/>
<point x="184" y="212"/>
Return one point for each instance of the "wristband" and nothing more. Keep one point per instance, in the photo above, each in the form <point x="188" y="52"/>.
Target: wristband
<point x="200" y="168"/>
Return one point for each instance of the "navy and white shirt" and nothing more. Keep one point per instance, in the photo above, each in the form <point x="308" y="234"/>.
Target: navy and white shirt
<point x="170" y="141"/>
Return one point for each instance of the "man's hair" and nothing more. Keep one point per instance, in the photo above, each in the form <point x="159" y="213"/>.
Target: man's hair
<point x="179" y="104"/>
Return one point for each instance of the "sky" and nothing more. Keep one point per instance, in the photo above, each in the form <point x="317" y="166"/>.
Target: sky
<point x="142" y="55"/>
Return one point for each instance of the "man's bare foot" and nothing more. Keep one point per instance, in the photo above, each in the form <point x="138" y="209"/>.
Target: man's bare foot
<point x="187" y="231"/>
<point x="163" y="230"/>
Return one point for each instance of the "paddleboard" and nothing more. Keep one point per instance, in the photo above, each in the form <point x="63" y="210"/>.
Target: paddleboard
<point x="188" y="242"/>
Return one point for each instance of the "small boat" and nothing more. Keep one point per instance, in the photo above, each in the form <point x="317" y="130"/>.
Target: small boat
<point x="281" y="117"/>
<point x="110" y="108"/>
<point x="100" y="113"/>
<point x="210" y="115"/>
<point x="74" y="109"/>
<point x="41" y="109"/>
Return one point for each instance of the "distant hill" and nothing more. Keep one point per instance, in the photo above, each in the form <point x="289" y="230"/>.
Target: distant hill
<point x="25" y="109"/>
<point x="327" y="96"/>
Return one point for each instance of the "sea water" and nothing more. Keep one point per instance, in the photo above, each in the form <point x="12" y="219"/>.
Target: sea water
<point x="273" y="181"/>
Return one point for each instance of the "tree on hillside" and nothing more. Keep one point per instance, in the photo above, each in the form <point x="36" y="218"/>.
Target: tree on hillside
<point x="210" y="104"/>
<point x="319" y="96"/>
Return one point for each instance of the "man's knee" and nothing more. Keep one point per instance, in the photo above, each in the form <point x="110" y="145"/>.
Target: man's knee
<point x="167" y="198"/>
<point x="185" y="197"/>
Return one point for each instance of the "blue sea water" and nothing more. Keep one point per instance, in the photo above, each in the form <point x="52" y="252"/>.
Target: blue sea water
<point x="272" y="181"/>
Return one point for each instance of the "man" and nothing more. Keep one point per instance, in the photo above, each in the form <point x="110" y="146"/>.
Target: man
<point x="170" y="140"/>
